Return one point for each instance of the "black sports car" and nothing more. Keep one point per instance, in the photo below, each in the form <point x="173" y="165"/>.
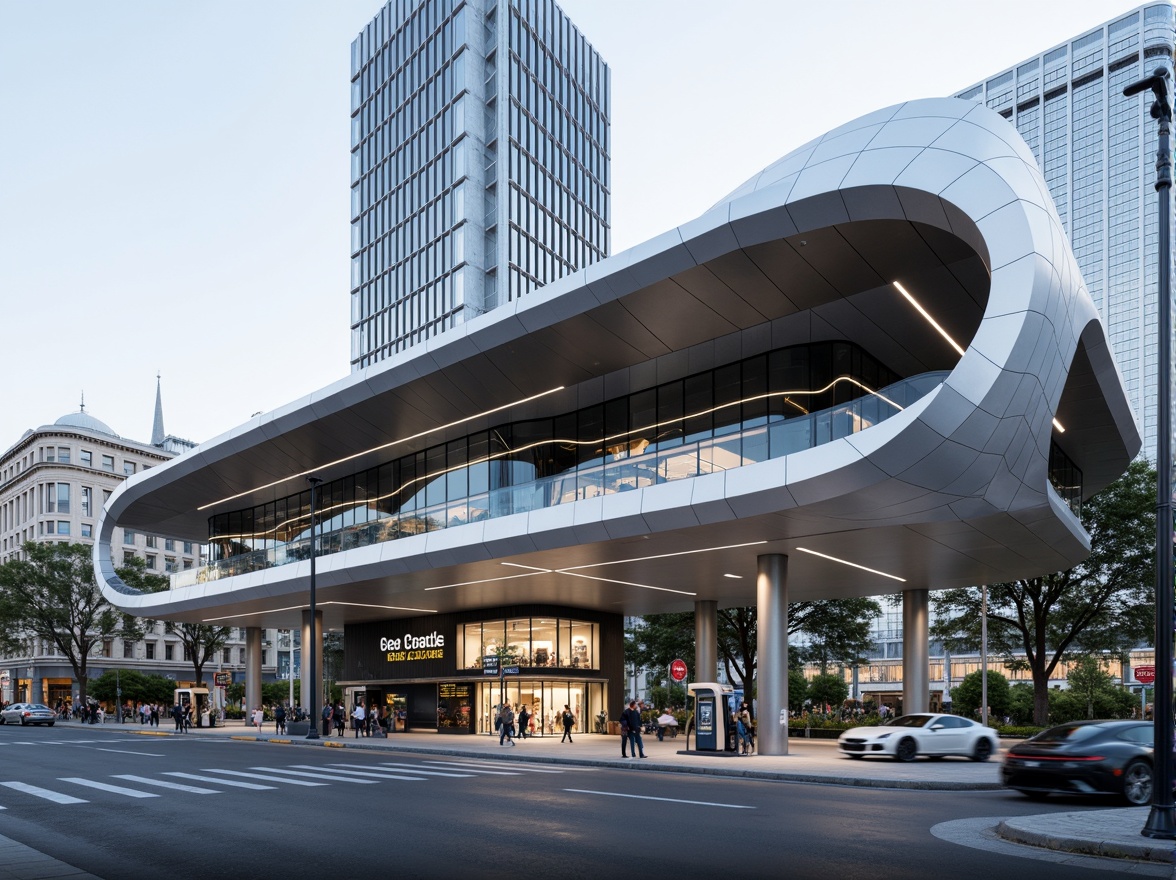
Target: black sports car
<point x="1084" y="757"/>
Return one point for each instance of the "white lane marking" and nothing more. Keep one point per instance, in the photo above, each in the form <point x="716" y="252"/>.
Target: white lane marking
<point x="529" y="766"/>
<point x="125" y="752"/>
<point x="102" y="786"/>
<point x="645" y="797"/>
<point x="333" y="777"/>
<point x="45" y="793"/>
<point x="412" y="768"/>
<point x="472" y="768"/>
<point x="253" y="786"/>
<point x="265" y="778"/>
<point x="163" y="783"/>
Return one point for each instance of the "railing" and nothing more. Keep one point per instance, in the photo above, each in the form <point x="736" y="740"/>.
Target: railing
<point x="756" y="442"/>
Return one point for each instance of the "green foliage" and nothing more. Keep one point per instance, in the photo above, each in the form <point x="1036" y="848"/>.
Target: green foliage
<point x="657" y="640"/>
<point x="797" y="689"/>
<point x="965" y="697"/>
<point x="835" y="630"/>
<point x="1090" y="693"/>
<point x="827" y="690"/>
<point x="1104" y="603"/>
<point x="137" y="687"/>
<point x="51" y="594"/>
<point x="1020" y="709"/>
<point x="661" y="697"/>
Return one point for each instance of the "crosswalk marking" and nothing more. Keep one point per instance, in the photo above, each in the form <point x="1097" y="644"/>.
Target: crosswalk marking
<point x="391" y="775"/>
<point x="163" y="783"/>
<point x="474" y="768"/>
<point x="505" y="765"/>
<point x="113" y="789"/>
<point x="45" y="793"/>
<point x="333" y="777"/>
<point x="245" y="775"/>
<point x="252" y="786"/>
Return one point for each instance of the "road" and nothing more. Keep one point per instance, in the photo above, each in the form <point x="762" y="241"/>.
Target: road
<point x="194" y="807"/>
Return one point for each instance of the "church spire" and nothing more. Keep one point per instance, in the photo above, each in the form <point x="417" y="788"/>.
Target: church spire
<point x="157" y="434"/>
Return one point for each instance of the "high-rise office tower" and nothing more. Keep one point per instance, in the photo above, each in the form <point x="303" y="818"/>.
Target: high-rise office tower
<point x="1097" y="150"/>
<point x="479" y="163"/>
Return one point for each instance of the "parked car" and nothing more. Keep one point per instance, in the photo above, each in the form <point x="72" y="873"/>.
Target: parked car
<point x="1084" y="757"/>
<point x="933" y="735"/>
<point x="27" y="713"/>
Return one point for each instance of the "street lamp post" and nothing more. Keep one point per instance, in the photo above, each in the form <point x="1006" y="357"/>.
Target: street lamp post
<point x="312" y="733"/>
<point x="1160" y="821"/>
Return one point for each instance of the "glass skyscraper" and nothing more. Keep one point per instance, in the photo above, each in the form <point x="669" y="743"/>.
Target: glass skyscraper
<point x="479" y="163"/>
<point x="1096" y="150"/>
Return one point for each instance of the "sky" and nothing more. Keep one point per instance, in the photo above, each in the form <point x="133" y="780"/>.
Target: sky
<point x="174" y="177"/>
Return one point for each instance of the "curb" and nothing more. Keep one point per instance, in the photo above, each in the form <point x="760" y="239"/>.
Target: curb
<point x="1144" y="852"/>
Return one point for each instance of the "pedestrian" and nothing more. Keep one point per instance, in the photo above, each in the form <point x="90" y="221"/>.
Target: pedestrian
<point x="328" y="711"/>
<point x="358" y="719"/>
<point x="156" y="711"/>
<point x="178" y="717"/>
<point x="631" y="717"/>
<point x="258" y="718"/>
<point x="743" y="728"/>
<point x="340" y="719"/>
<point x="280" y="719"/>
<point x="524" y="720"/>
<point x="569" y="721"/>
<point x="506" y="719"/>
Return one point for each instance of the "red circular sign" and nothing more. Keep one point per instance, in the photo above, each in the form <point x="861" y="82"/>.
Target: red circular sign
<point x="678" y="670"/>
<point x="1145" y="674"/>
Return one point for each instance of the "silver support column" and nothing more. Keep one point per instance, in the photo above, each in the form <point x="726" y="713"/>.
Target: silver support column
<point x="706" y="640"/>
<point x="916" y="656"/>
<point x="252" y="668"/>
<point x="304" y="661"/>
<point x="771" y="598"/>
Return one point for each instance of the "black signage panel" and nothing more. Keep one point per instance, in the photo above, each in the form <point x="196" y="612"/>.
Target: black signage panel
<point x="490" y="665"/>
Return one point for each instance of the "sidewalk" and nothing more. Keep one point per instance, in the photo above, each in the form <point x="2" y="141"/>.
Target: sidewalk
<point x="1109" y="833"/>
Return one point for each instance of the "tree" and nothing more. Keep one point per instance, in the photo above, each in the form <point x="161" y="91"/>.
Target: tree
<point x="658" y="640"/>
<point x="836" y="630"/>
<point x="51" y="595"/>
<point x="137" y="687"/>
<point x="829" y="690"/>
<point x="967" y="695"/>
<point x="1104" y="603"/>
<point x="201" y="641"/>
<point x="1090" y="693"/>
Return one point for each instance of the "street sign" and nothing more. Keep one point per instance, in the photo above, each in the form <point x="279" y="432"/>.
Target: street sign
<point x="1145" y="674"/>
<point x="678" y="670"/>
<point x="490" y="664"/>
<point x="222" y="679"/>
<point x="510" y="670"/>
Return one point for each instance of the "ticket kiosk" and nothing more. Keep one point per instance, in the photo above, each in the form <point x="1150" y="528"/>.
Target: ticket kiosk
<point x="711" y="717"/>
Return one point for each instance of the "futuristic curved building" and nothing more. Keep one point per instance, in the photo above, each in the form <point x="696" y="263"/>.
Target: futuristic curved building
<point x="873" y="368"/>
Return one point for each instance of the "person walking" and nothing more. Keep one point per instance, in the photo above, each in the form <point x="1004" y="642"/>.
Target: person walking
<point x="328" y="711"/>
<point x="506" y="719"/>
<point x="743" y="727"/>
<point x="280" y="719"/>
<point x="340" y="716"/>
<point x="178" y="717"/>
<point x="631" y="718"/>
<point x="524" y="719"/>
<point x="569" y="721"/>
<point x="258" y="718"/>
<point x="358" y="718"/>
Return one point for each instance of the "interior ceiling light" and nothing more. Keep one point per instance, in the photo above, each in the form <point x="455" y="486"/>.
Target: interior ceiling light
<point x="737" y="577"/>
<point x="927" y="317"/>
<point x="1058" y="425"/>
<point x="893" y="577"/>
<point x="382" y="446"/>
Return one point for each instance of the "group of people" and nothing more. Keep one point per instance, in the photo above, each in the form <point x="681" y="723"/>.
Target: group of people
<point x="505" y="721"/>
<point x="364" y="720"/>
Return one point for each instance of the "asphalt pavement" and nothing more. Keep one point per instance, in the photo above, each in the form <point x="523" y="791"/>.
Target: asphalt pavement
<point x="1107" y="833"/>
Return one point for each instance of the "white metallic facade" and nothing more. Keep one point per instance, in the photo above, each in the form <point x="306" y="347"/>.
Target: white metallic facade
<point x="480" y="164"/>
<point x="940" y="198"/>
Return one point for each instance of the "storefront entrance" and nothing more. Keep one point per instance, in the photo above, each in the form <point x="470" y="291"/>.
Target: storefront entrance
<point x="545" y="700"/>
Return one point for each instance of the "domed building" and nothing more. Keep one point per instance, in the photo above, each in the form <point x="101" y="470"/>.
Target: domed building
<point x="53" y="484"/>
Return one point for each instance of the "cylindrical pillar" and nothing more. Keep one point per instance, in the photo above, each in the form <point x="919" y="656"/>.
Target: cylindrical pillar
<point x="916" y="656"/>
<point x="304" y="660"/>
<point x="252" y="668"/>
<point x="771" y="599"/>
<point x="706" y="640"/>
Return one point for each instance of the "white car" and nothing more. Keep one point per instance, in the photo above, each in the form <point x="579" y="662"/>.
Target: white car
<point x="27" y="713"/>
<point x="907" y="737"/>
